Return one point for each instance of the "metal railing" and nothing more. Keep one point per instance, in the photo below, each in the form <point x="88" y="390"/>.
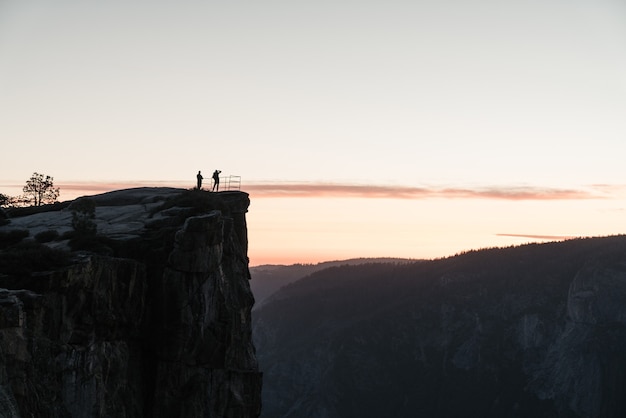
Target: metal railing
<point x="230" y="183"/>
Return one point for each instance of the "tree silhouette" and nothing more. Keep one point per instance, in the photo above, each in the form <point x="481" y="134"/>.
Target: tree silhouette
<point x="40" y="190"/>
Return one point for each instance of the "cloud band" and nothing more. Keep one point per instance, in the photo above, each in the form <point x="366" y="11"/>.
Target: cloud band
<point x="337" y="190"/>
<point x="274" y="190"/>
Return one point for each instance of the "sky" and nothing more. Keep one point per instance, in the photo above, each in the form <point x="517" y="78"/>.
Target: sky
<point x="413" y="129"/>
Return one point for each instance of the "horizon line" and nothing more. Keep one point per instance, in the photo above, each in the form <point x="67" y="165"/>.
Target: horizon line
<point x="347" y="190"/>
<point x="536" y="236"/>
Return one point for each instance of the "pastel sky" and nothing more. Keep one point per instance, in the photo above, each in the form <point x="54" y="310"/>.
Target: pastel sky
<point x="360" y="129"/>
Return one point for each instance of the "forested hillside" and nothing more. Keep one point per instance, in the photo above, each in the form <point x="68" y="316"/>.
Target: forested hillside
<point x="269" y="278"/>
<point x="536" y="330"/>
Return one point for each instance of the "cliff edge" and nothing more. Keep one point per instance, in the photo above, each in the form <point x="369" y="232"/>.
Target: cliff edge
<point x="148" y="316"/>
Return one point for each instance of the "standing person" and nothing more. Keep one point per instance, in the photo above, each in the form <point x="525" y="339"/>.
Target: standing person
<point x="199" y="177"/>
<point x="216" y="180"/>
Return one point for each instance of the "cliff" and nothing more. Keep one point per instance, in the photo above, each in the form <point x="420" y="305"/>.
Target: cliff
<point x="148" y="318"/>
<point x="530" y="331"/>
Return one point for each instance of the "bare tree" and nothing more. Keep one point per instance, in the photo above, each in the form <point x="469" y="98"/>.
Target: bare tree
<point x="40" y="190"/>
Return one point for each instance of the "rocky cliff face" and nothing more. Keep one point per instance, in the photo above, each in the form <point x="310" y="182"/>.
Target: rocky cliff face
<point x="156" y="325"/>
<point x="537" y="330"/>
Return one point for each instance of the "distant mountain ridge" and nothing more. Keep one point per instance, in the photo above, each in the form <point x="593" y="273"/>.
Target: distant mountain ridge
<point x="537" y="330"/>
<point x="268" y="278"/>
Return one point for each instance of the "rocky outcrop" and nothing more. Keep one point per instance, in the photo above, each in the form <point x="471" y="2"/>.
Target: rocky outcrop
<point x="206" y="351"/>
<point x="584" y="368"/>
<point x="158" y="326"/>
<point x="70" y="343"/>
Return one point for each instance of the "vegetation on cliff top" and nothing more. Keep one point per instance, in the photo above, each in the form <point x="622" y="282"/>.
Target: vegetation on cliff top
<point x="39" y="190"/>
<point x="22" y="255"/>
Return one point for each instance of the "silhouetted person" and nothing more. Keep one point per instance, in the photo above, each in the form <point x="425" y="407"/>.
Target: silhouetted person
<point x="199" y="177"/>
<point x="216" y="180"/>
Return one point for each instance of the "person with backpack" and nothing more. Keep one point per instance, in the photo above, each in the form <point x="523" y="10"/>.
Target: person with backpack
<point x="216" y="180"/>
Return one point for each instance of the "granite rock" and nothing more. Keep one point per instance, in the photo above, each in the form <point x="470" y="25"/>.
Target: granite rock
<point x="156" y="326"/>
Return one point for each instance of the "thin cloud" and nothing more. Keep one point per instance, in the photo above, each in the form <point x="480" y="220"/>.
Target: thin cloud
<point x="275" y="190"/>
<point x="610" y="189"/>
<point x="548" y="237"/>
<point x="335" y="190"/>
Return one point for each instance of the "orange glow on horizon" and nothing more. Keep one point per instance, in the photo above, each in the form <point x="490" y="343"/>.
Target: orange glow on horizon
<point x="270" y="190"/>
<point x="290" y="223"/>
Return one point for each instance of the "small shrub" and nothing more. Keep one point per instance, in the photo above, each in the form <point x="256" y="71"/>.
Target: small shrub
<point x="92" y="243"/>
<point x="12" y="237"/>
<point x="18" y="212"/>
<point x="28" y="257"/>
<point x="67" y="235"/>
<point x="47" y="236"/>
<point x="200" y="201"/>
<point x="4" y="219"/>
<point x="83" y="216"/>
